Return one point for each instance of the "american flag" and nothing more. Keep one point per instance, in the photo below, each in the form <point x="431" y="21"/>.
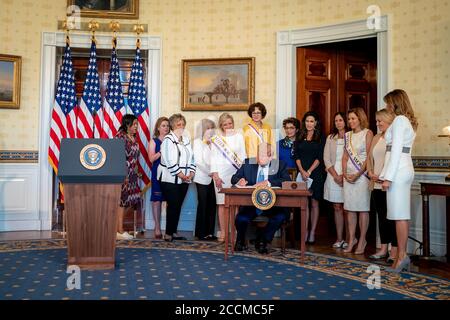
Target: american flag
<point x="137" y="102"/>
<point x="90" y="111"/>
<point x="113" y="107"/>
<point x="63" y="123"/>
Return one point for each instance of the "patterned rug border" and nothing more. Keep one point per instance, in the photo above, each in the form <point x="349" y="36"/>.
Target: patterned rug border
<point x="414" y="285"/>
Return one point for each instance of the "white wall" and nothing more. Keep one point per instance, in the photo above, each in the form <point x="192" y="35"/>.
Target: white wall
<point x="19" y="207"/>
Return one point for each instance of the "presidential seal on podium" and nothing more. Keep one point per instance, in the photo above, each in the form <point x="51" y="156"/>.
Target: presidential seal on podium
<point x="263" y="198"/>
<point x="92" y="157"/>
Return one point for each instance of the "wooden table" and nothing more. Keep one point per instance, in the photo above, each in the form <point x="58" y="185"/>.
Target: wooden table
<point x="432" y="187"/>
<point x="235" y="197"/>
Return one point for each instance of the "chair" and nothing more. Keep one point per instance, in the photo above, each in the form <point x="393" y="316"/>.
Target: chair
<point x="261" y="221"/>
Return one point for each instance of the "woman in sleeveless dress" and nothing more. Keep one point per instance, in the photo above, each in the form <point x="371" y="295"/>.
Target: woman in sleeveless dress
<point x="162" y="128"/>
<point x="356" y="182"/>
<point x="398" y="171"/>
<point x="130" y="197"/>
<point x="228" y="154"/>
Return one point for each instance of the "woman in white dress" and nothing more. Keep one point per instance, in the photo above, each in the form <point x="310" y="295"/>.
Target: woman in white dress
<point x="398" y="171"/>
<point x="356" y="181"/>
<point x="228" y="154"/>
<point x="333" y="191"/>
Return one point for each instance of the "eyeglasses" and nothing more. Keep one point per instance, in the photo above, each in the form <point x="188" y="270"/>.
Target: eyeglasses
<point x="256" y="112"/>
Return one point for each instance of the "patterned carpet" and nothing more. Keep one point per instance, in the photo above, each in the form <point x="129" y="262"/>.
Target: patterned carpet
<point x="194" y="270"/>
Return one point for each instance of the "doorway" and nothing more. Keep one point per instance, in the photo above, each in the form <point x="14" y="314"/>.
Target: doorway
<point x="334" y="77"/>
<point x="80" y="61"/>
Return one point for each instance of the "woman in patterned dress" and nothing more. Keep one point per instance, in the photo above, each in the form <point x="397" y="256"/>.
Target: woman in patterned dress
<point x="130" y="197"/>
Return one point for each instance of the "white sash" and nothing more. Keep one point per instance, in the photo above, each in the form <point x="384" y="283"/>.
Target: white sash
<point x="354" y="158"/>
<point x="226" y="151"/>
<point x="257" y="133"/>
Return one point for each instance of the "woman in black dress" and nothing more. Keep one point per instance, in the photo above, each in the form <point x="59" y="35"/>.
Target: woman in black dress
<point x="308" y="155"/>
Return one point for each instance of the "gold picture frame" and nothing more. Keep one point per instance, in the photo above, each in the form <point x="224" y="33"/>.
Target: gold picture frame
<point x="124" y="9"/>
<point x="218" y="84"/>
<point x="10" y="73"/>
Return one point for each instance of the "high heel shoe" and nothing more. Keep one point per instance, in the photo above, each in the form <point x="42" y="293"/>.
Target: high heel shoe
<point x="404" y="265"/>
<point x="378" y="256"/>
<point x="350" y="247"/>
<point x="363" y="249"/>
<point x="311" y="238"/>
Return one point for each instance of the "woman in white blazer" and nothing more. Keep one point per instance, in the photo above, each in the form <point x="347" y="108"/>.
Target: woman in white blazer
<point x="205" y="221"/>
<point x="175" y="172"/>
<point x="398" y="171"/>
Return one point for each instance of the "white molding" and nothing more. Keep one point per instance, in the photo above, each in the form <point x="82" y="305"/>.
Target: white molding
<point x="18" y="206"/>
<point x="52" y="40"/>
<point x="103" y="41"/>
<point x="289" y="40"/>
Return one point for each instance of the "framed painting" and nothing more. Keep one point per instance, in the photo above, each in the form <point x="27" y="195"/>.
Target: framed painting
<point x="218" y="84"/>
<point x="109" y="9"/>
<point x="10" y="70"/>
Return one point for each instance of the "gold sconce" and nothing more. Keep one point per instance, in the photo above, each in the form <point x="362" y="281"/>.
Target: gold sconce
<point x="102" y="26"/>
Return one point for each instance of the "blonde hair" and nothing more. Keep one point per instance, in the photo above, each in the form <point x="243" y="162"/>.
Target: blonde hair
<point x="224" y="117"/>
<point x="362" y="117"/>
<point x="202" y="126"/>
<point x="385" y="115"/>
<point x="399" y="100"/>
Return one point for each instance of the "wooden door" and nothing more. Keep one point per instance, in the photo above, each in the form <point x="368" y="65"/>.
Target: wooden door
<point x="358" y="79"/>
<point x="336" y="77"/>
<point x="317" y="83"/>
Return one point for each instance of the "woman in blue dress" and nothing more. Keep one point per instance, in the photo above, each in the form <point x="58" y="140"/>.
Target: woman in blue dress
<point x="162" y="128"/>
<point x="285" y="148"/>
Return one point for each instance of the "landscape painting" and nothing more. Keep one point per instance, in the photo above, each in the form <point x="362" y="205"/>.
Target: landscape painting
<point x="10" y="67"/>
<point x="218" y="84"/>
<point x="107" y="9"/>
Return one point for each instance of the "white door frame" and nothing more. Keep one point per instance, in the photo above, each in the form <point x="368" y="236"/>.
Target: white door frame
<point x="289" y="40"/>
<point x="52" y="40"/>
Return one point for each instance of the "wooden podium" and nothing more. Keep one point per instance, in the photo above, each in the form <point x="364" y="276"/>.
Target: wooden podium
<point x="91" y="197"/>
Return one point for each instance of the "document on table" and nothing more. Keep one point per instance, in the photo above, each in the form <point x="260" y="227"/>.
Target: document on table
<point x="251" y="187"/>
<point x="308" y="182"/>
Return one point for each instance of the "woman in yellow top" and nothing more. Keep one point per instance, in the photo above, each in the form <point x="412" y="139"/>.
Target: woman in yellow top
<point x="256" y="131"/>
